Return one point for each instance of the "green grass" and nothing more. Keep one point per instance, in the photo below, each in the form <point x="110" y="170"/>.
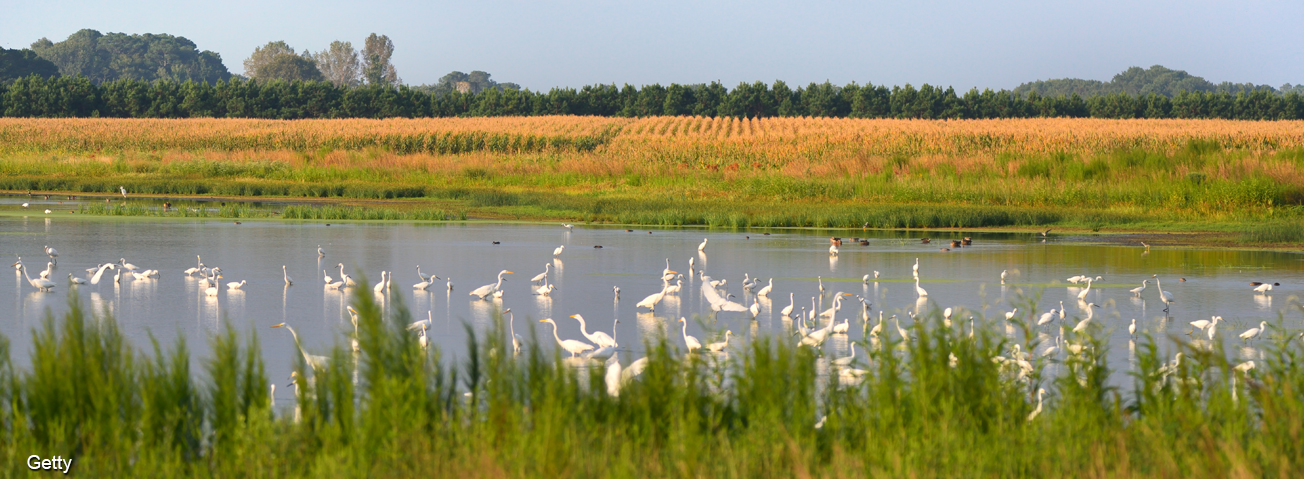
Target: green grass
<point x="1280" y="232"/>
<point x="396" y="410"/>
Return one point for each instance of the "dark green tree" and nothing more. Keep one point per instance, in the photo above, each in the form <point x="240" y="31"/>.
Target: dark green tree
<point x="21" y="63"/>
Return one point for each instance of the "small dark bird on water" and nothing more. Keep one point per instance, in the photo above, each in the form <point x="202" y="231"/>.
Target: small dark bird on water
<point x="836" y="241"/>
<point x="966" y="241"/>
<point x="237" y="222"/>
<point x="864" y="242"/>
<point x="629" y="231"/>
<point x="945" y="249"/>
<point x="496" y="242"/>
<point x="955" y="243"/>
<point x="1256" y="283"/>
<point x="926" y="240"/>
<point x="766" y="234"/>
<point x="597" y="246"/>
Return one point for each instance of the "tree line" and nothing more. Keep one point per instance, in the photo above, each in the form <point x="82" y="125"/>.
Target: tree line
<point x="69" y="96"/>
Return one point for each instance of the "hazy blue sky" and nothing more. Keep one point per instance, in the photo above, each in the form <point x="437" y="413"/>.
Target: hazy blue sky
<point x="541" y="44"/>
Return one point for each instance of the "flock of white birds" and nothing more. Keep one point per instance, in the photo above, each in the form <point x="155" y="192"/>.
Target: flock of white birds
<point x="813" y="327"/>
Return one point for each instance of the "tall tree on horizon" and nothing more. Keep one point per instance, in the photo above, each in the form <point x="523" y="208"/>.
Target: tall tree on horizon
<point x="264" y="55"/>
<point x="340" y="65"/>
<point x="376" y="66"/>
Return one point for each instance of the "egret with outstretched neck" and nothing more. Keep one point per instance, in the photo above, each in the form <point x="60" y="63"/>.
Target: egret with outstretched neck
<point x="572" y="346"/>
<point x="317" y="363"/>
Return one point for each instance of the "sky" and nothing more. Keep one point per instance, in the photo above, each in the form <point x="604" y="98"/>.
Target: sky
<point x="542" y="44"/>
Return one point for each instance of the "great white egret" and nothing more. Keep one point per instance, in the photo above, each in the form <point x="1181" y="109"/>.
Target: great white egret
<point x="423" y="285"/>
<point x="572" y="346"/>
<point x="285" y="274"/>
<point x="75" y="280"/>
<point x="843" y="327"/>
<point x="49" y="269"/>
<point x="517" y="340"/>
<point x="921" y="291"/>
<point x="1035" y="412"/>
<point x="837" y="306"/>
<point x="916" y="269"/>
<point x="765" y="292"/>
<point x="317" y="363"/>
<point x="557" y="252"/>
<point x="700" y="247"/>
<point x="487" y="290"/>
<point x="717" y="347"/>
<point x="538" y="277"/>
<point x="125" y="265"/>
<point x="650" y="302"/>
<point x="905" y="334"/>
<point x="1082" y="296"/>
<point x="755" y="308"/>
<point x="95" y="279"/>
<point x="1203" y="324"/>
<point x="236" y="285"/>
<point x="384" y="281"/>
<point x="545" y="290"/>
<point x="692" y="343"/>
<point x="1165" y="296"/>
<point x="1010" y="315"/>
<point x="675" y="288"/>
<point x="598" y="337"/>
<point x="422" y="340"/>
<point x="199" y="266"/>
<point x="321" y="253"/>
<point x="787" y="311"/>
<point x="833" y="250"/>
<point x="717" y="302"/>
<point x="1265" y="287"/>
<point x="52" y="253"/>
<point x="846" y="361"/>
<point x="124" y="193"/>
<point x="1253" y="333"/>
<point x="426" y="277"/>
<point x="1131" y="329"/>
<point x="344" y="278"/>
<point x="1137" y="291"/>
<point x="878" y="328"/>
<point x="1082" y="325"/>
<point x="1003" y="276"/>
<point x="38" y="283"/>
<point x="1046" y="317"/>
<point x="1244" y="367"/>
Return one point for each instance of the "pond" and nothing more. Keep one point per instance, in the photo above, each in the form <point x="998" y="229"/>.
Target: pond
<point x="1203" y="282"/>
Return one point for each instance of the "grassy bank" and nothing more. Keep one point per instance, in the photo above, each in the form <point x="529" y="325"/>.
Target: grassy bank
<point x="393" y="409"/>
<point x="1090" y="174"/>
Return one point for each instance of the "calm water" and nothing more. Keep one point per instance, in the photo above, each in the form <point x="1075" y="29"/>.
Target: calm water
<point x="969" y="278"/>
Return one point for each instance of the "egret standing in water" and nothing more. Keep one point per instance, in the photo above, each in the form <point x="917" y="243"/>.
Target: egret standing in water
<point x="1165" y="296"/>
<point x="488" y="290"/>
<point x="317" y="363"/>
<point x="572" y="346"/>
<point x="691" y="342"/>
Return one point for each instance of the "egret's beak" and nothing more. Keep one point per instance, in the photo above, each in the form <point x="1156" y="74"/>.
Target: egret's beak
<point x="279" y="325"/>
<point x="673" y="272"/>
<point x="509" y="272"/>
<point x="574" y="315"/>
<point x="543" y="320"/>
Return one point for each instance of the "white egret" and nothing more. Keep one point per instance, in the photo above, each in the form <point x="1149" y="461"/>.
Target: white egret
<point x="833" y="250"/>
<point x="1244" y="367"/>
<point x="422" y="340"/>
<point x="236" y="285"/>
<point x="717" y="347"/>
<point x="846" y="361"/>
<point x="572" y="346"/>
<point x="95" y="279"/>
<point x="285" y="274"/>
<point x="348" y="281"/>
<point x="487" y="290"/>
<point x="787" y="311"/>
<point x="749" y="283"/>
<point x="878" y="328"/>
<point x="210" y="291"/>
<point x="650" y="302"/>
<point x="124" y="193"/>
<point x="317" y="363"/>
<point x="1061" y="310"/>
<point x="843" y="327"/>
<point x="717" y="302"/>
<point x="450" y="284"/>
<point x="125" y="265"/>
<point x="905" y="335"/>
<point x="426" y="277"/>
<point x="320" y="252"/>
<point x="1082" y="325"/>
<point x="517" y="340"/>
<point x="765" y="292"/>
<point x="1203" y="324"/>
<point x="380" y="286"/>
<point x="1035" y="412"/>
<point x="557" y="252"/>
<point x="755" y="309"/>
<point x="26" y="205"/>
<point x="837" y="305"/>
<point x="38" y="283"/>
<point x="52" y="253"/>
<point x="49" y="269"/>
<point x="537" y="278"/>
<point x="598" y="337"/>
<point x="1003" y="276"/>
<point x="1137" y="291"/>
<point x="820" y="279"/>
<point x="1131" y="329"/>
<point x="1253" y="333"/>
<point x="48" y="212"/>
<point x="875" y="274"/>
<point x="1082" y="296"/>
<point x="1213" y="328"/>
<point x="1054" y="348"/>
<point x="1165" y="296"/>
<point x="692" y="343"/>
<point x="700" y="247"/>
<point x="1010" y="315"/>
<point x="415" y="325"/>
<point x="921" y="291"/>
<point x="601" y="354"/>
<point x="946" y="317"/>
<point x="674" y="288"/>
<point x="1046" y="317"/>
<point x="424" y="285"/>
<point x="1265" y="287"/>
<point x="916" y="269"/>
<point x="1076" y="279"/>
<point x="327" y="277"/>
<point x="75" y="280"/>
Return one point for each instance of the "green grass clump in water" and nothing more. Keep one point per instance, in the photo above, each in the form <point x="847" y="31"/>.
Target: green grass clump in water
<point x="934" y="406"/>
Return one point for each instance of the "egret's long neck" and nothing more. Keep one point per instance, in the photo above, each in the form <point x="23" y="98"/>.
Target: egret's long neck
<point x="554" y="332"/>
<point x="583" y="327"/>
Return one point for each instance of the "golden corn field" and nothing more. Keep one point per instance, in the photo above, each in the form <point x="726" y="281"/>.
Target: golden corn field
<point x="774" y="137"/>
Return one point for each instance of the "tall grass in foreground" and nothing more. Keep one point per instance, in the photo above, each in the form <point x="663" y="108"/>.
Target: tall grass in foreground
<point x="392" y="409"/>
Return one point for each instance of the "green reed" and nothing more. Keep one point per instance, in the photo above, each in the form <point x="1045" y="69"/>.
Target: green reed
<point x="936" y="405"/>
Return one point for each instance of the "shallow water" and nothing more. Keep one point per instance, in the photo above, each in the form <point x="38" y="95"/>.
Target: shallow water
<point x="967" y="278"/>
